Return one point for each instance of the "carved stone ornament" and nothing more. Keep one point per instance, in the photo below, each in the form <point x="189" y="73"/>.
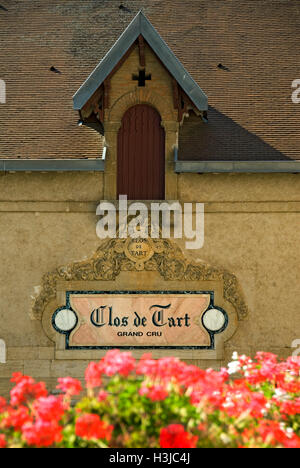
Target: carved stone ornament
<point x="161" y="255"/>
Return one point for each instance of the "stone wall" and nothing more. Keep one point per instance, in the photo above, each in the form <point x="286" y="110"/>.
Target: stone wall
<point x="251" y="229"/>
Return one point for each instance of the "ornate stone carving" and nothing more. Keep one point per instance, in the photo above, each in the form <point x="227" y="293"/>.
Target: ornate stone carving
<point x="161" y="255"/>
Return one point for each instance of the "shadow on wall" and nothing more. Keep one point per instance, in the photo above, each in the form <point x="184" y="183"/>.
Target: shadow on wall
<point x="222" y="139"/>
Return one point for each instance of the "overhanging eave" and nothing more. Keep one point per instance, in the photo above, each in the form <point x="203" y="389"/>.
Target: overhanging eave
<point x="140" y="25"/>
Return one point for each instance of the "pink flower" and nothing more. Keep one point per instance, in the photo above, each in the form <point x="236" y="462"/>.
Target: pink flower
<point x="144" y="391"/>
<point x="93" y="375"/>
<point x="154" y="392"/>
<point x="147" y="366"/>
<point x="102" y="396"/>
<point x="116" y="362"/>
<point x="69" y="386"/>
<point x="50" y="408"/>
<point x="169" y="368"/>
<point x="240" y="400"/>
<point x="262" y="357"/>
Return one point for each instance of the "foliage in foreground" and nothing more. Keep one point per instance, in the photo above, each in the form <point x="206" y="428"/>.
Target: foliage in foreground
<point x="159" y="403"/>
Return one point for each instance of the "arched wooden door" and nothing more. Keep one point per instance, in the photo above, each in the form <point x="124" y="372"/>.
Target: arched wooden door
<point x="141" y="155"/>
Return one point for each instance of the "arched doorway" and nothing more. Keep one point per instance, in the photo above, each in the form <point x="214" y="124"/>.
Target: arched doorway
<point x="141" y="155"/>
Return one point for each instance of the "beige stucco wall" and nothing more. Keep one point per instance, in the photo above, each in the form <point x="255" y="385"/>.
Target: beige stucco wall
<point x="252" y="225"/>
<point x="47" y="220"/>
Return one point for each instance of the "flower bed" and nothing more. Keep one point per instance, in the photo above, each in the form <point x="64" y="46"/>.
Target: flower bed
<point x="159" y="403"/>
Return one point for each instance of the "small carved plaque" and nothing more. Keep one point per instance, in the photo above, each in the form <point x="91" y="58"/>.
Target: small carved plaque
<point x="139" y="250"/>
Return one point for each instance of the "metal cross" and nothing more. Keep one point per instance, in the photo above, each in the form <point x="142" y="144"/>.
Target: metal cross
<point x="141" y="78"/>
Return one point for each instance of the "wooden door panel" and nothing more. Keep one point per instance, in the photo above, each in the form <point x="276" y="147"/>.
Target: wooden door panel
<point x="141" y="155"/>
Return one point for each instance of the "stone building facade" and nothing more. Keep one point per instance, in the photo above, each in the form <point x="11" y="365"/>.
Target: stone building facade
<point x="239" y="156"/>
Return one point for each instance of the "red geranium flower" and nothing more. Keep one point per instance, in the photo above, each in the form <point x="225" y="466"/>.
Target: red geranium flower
<point x="16" y="418"/>
<point x="272" y="433"/>
<point x="174" y="436"/>
<point x="90" y="426"/>
<point x="3" y="405"/>
<point x="290" y="407"/>
<point x="17" y="377"/>
<point x="69" y="386"/>
<point x="42" y="433"/>
<point x="26" y="389"/>
<point x="157" y="393"/>
<point x="2" y="441"/>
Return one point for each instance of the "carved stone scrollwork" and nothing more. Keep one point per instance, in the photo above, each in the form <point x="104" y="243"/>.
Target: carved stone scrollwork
<point x="116" y="255"/>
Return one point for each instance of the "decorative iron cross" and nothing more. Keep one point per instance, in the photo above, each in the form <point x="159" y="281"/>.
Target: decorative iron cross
<point x="141" y="78"/>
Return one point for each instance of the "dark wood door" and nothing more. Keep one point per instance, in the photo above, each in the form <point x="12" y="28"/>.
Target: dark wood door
<point x="141" y="155"/>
